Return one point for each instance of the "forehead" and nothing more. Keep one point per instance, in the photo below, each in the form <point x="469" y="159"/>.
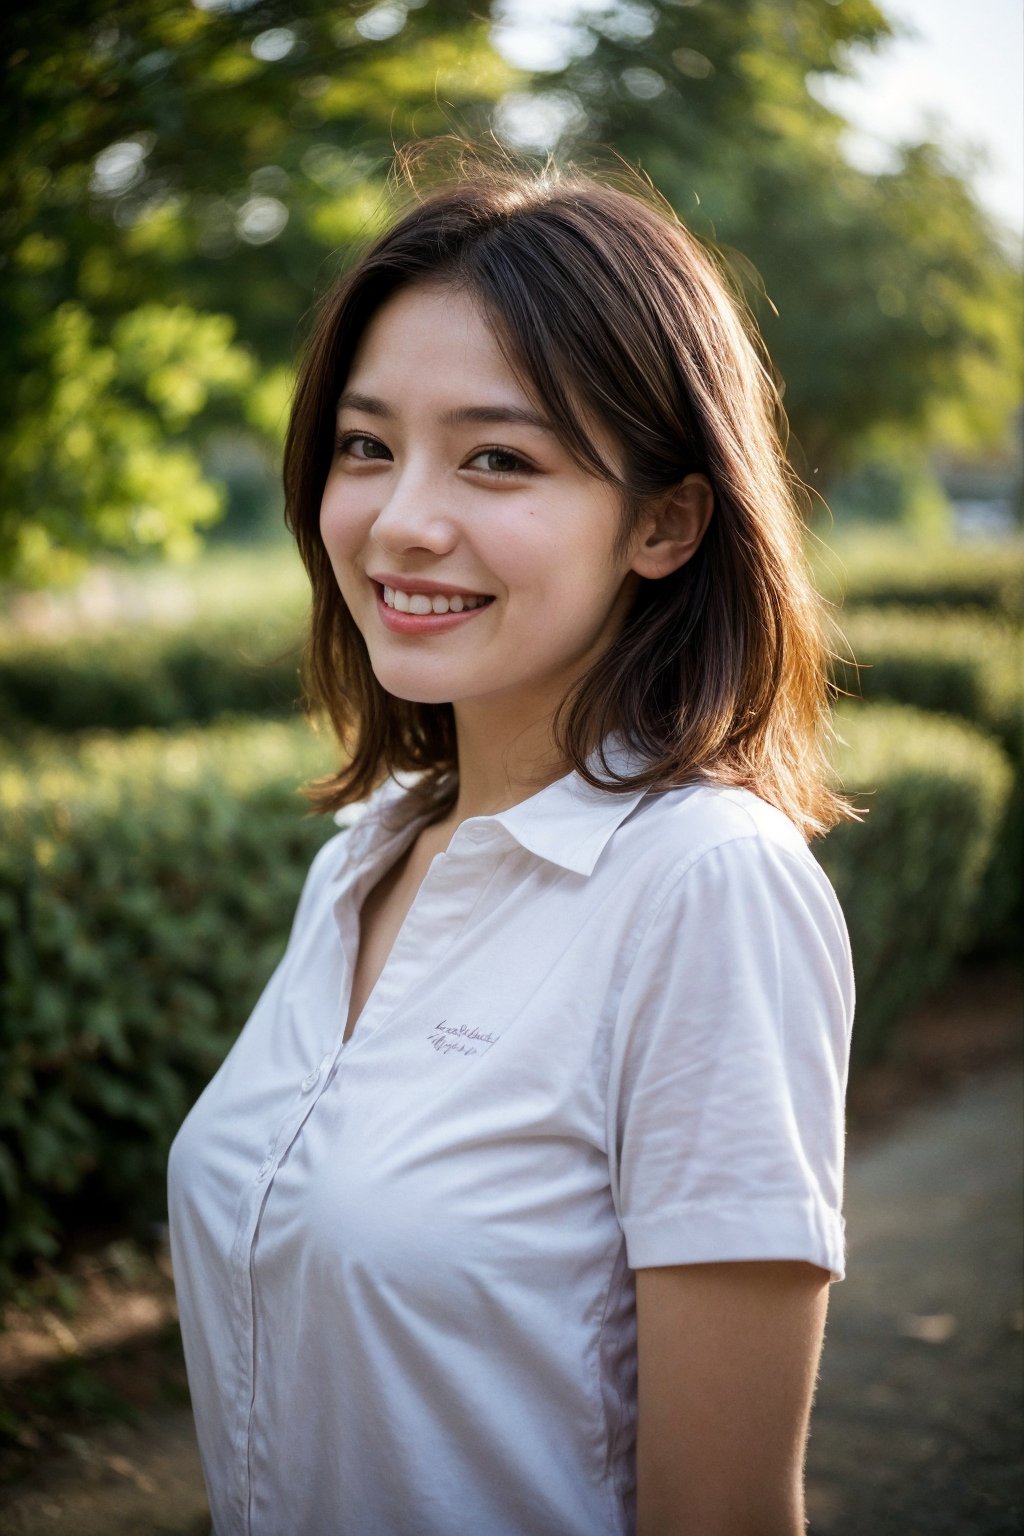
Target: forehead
<point x="433" y="338"/>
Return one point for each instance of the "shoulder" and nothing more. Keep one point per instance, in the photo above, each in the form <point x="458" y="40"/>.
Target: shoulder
<point x="723" y="854"/>
<point x="676" y="828"/>
<point x="739" y="916"/>
<point x="360" y="826"/>
<point x="353" y="824"/>
<point x="327" y="859"/>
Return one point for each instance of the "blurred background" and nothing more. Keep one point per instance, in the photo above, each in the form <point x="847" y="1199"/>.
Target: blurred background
<point x="181" y="179"/>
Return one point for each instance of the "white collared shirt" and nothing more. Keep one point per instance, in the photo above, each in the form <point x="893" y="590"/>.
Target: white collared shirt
<point x="613" y="1032"/>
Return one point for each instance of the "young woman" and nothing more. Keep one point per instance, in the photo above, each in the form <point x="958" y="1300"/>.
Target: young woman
<point x="513" y="1210"/>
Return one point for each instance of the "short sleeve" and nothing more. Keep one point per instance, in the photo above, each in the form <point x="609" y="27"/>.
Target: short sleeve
<point x="729" y="1066"/>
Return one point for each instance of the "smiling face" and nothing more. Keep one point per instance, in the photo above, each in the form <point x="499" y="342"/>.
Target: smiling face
<point x="475" y="556"/>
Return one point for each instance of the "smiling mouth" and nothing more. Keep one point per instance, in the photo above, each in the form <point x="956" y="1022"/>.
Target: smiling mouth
<point x="423" y="603"/>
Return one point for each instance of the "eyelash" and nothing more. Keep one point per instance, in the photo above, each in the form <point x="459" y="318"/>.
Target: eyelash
<point x="522" y="465"/>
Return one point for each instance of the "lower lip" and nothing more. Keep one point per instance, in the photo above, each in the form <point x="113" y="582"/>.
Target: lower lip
<point x="423" y="623"/>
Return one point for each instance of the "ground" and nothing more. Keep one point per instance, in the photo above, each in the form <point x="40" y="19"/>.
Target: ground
<point x="917" y="1428"/>
<point x="917" y="1424"/>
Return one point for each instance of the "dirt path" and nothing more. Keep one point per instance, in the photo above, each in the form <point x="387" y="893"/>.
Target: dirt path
<point x="141" y="1479"/>
<point x="917" y="1428"/>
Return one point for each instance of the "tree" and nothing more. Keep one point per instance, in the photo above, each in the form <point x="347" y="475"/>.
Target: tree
<point x="886" y="301"/>
<point x="178" y="179"/>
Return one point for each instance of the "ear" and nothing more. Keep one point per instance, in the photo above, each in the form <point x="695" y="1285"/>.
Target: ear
<point x="675" y="528"/>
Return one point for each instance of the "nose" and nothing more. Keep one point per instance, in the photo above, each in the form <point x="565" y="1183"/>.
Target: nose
<point x="415" y="513"/>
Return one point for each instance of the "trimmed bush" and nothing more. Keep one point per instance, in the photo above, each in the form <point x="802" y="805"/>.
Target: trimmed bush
<point x="908" y="876"/>
<point x="875" y="569"/>
<point x="178" y="644"/>
<point x="957" y="663"/>
<point x="146" y="887"/>
<point x="952" y="661"/>
<point x="125" y="678"/>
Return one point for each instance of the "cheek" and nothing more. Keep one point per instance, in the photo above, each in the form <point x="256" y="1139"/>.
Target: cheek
<point x="338" y="524"/>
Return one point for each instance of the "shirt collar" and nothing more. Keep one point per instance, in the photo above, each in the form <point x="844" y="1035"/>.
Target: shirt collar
<point x="568" y="823"/>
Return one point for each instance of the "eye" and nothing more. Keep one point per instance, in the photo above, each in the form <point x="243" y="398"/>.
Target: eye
<point x="500" y="461"/>
<point x="362" y="448"/>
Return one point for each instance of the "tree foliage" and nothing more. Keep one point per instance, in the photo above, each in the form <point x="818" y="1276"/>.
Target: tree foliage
<point x="100" y="454"/>
<point x="180" y="178"/>
<point x="885" y="300"/>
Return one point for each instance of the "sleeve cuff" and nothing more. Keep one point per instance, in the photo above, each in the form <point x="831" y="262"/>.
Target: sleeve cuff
<point x="692" y="1234"/>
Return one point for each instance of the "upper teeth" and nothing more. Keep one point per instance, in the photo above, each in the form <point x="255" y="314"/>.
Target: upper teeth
<point x="422" y="602"/>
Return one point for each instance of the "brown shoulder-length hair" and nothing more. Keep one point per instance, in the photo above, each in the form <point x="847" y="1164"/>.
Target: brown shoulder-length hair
<point x="608" y="310"/>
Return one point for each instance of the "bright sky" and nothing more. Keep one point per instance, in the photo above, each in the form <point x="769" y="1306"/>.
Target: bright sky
<point x="962" y="68"/>
<point x="956" y="75"/>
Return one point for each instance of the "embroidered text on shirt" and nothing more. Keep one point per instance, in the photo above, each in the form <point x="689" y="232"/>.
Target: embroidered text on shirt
<point x="466" y="1039"/>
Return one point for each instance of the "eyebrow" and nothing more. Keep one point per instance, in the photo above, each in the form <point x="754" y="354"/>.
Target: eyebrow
<point x="507" y="415"/>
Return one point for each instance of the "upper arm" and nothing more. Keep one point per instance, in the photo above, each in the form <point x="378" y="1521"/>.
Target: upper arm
<point x="728" y="1072"/>
<point x="727" y="1361"/>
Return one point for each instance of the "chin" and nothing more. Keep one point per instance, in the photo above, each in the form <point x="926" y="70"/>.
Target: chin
<point x="411" y="696"/>
<point x="413" y="690"/>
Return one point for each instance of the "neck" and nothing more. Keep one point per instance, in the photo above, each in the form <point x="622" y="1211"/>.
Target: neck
<point x="502" y="760"/>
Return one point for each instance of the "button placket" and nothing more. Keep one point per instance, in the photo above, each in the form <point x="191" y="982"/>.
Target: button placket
<point x="312" y="1077"/>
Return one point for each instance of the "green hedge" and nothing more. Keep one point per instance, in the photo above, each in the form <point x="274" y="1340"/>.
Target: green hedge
<point x="957" y="663"/>
<point x="877" y="569"/>
<point x="946" y="660"/>
<point x="125" y="678"/>
<point x="145" y="887"/>
<point x="909" y="876"/>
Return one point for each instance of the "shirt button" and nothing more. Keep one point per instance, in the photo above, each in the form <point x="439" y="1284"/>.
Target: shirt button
<point x="263" y="1169"/>
<point x="310" y="1080"/>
